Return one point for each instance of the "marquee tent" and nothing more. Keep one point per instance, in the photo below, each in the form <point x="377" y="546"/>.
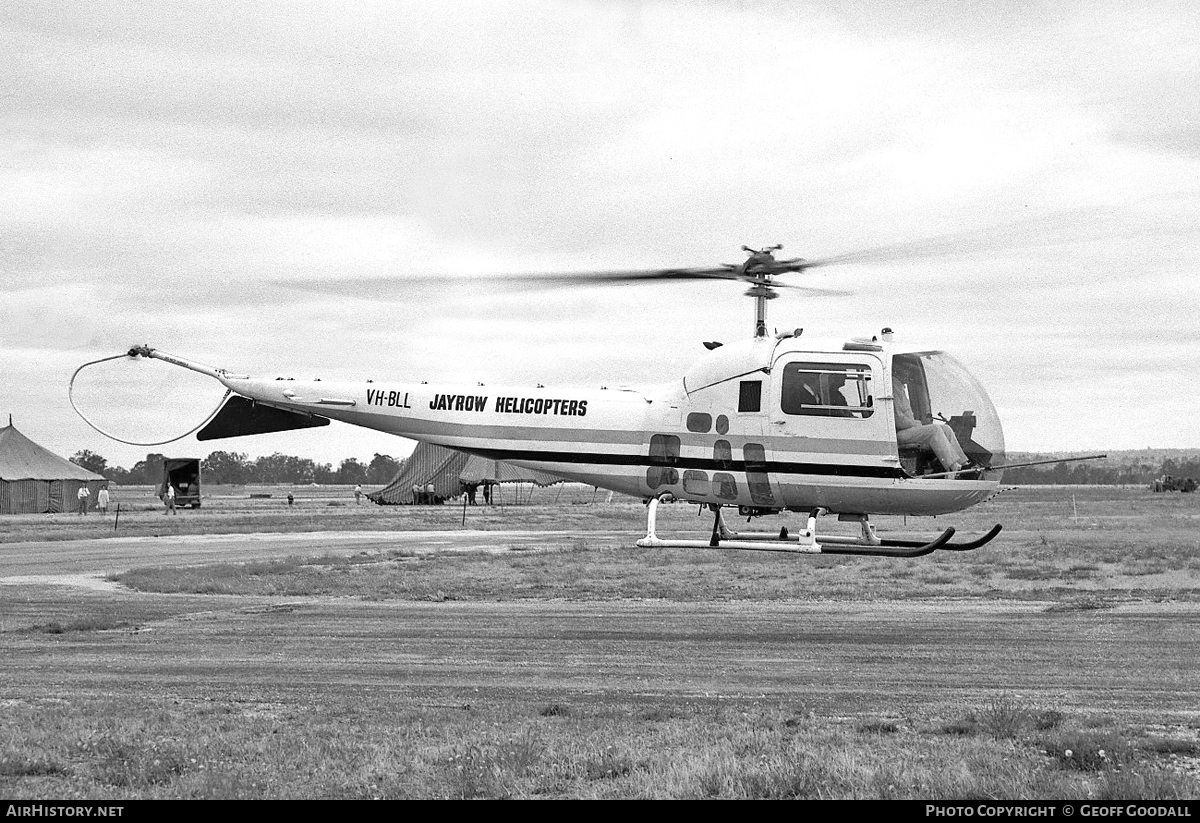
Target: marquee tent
<point x="34" y="479"/>
<point x="447" y="469"/>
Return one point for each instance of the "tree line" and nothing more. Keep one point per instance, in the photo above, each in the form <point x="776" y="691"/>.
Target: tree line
<point x="237" y="468"/>
<point x="1134" y="468"/>
<point x="1120" y="469"/>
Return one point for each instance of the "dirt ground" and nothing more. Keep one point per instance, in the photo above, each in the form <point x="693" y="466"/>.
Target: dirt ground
<point x="872" y="659"/>
<point x="858" y="655"/>
<point x="1137" y="658"/>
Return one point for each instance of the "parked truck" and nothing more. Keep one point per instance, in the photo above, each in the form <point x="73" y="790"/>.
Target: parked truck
<point x="184" y="474"/>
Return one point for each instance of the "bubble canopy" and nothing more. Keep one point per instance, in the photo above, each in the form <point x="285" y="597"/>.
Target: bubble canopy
<point x="941" y="388"/>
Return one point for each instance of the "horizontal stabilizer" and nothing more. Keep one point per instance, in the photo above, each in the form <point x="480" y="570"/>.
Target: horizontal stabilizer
<point x="241" y="416"/>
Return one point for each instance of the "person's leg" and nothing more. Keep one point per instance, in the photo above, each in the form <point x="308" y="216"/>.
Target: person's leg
<point x="953" y="444"/>
<point x="933" y="438"/>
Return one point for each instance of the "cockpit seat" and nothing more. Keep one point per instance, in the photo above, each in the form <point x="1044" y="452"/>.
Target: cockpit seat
<point x="917" y="460"/>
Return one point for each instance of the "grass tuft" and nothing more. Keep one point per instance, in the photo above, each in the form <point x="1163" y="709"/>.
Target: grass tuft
<point x="609" y="763"/>
<point x="1046" y="719"/>
<point x="491" y="770"/>
<point x="657" y="714"/>
<point x="1170" y="745"/>
<point x="14" y="764"/>
<point x="1145" y="784"/>
<point x="963" y="727"/>
<point x="1003" y="719"/>
<point x="878" y="727"/>
<point x="1088" y="751"/>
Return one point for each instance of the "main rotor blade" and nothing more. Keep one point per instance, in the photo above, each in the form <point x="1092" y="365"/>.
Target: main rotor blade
<point x="728" y="272"/>
<point x="569" y="278"/>
<point x="1056" y="228"/>
<point x="337" y="282"/>
<point x="894" y="252"/>
<point x="617" y="277"/>
<point x="383" y="288"/>
<point x="1046" y="230"/>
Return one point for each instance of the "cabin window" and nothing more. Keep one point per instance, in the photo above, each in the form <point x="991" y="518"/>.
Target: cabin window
<point x="724" y="486"/>
<point x="827" y="390"/>
<point x="657" y="476"/>
<point x="699" y="422"/>
<point x="750" y="396"/>
<point x="695" y="482"/>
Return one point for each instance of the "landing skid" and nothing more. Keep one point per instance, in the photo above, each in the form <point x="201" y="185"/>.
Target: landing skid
<point x="958" y="547"/>
<point x="805" y="542"/>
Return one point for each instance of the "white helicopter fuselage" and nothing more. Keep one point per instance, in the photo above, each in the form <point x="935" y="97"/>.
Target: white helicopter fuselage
<point x="731" y="432"/>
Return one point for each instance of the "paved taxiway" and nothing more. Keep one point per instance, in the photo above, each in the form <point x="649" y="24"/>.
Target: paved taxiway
<point x="72" y="562"/>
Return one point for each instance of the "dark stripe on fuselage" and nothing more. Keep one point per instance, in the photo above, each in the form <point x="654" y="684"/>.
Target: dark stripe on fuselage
<point x="704" y="463"/>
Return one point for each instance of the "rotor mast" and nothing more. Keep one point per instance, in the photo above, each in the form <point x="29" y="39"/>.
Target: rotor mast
<point x="761" y="294"/>
<point x="757" y="270"/>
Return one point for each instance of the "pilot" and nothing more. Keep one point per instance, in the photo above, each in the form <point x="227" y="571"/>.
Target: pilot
<point x="938" y="436"/>
<point x="808" y="393"/>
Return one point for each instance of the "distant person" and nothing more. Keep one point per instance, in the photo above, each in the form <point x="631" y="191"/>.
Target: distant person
<point x="487" y="492"/>
<point x="169" y="500"/>
<point x="416" y="492"/>
<point x="102" y="500"/>
<point x="83" y="496"/>
<point x="358" y="495"/>
<point x="470" y="489"/>
<point x="291" y="500"/>
<point x="430" y="495"/>
<point x="938" y="437"/>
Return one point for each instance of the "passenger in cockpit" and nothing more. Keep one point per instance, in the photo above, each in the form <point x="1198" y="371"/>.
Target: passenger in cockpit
<point x="938" y="437"/>
<point x="834" y="384"/>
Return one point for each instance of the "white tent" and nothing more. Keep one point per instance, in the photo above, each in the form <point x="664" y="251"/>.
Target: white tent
<point x="34" y="479"/>
<point x="448" y="471"/>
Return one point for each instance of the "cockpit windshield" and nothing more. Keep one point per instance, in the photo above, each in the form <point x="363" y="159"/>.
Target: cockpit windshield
<point x="941" y="389"/>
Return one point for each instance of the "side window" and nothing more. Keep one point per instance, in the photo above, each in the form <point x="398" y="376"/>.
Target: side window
<point x="725" y="486"/>
<point x="827" y="390"/>
<point x="750" y="396"/>
<point x="695" y="482"/>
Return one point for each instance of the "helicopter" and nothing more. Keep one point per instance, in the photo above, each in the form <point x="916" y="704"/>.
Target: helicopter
<point x="768" y="424"/>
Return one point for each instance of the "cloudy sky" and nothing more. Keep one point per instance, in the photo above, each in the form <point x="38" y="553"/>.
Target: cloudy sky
<point x="250" y="185"/>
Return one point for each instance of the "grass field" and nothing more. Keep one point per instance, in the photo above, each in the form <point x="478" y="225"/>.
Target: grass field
<point x="391" y="652"/>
